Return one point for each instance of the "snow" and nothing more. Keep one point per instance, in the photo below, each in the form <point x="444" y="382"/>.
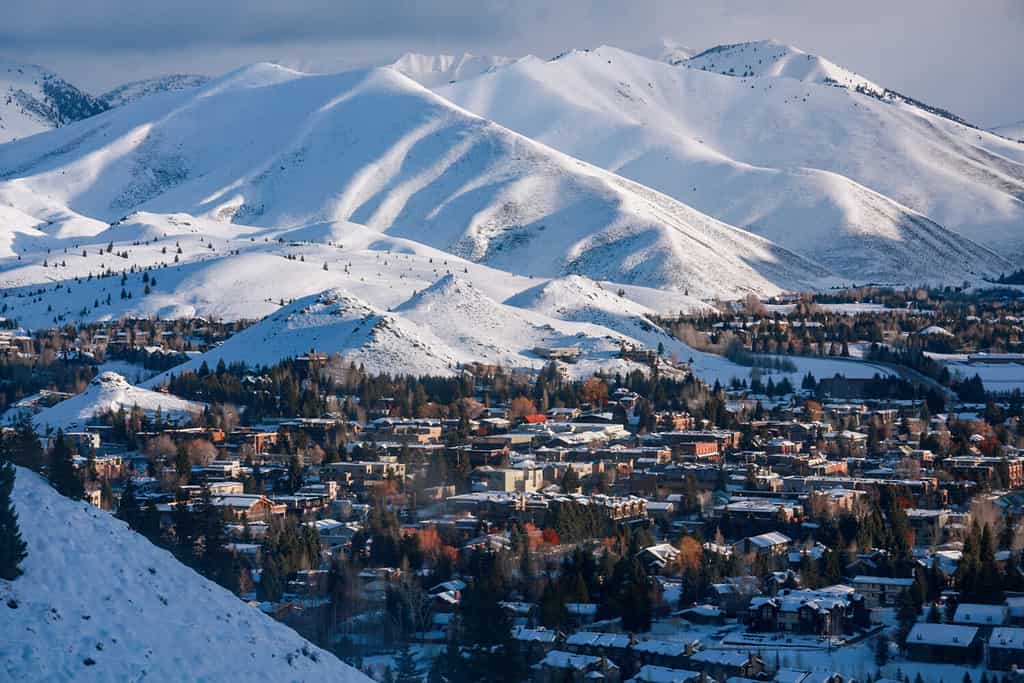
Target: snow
<point x="1013" y="131"/>
<point x="95" y="591"/>
<point x="110" y="391"/>
<point x="269" y="147"/>
<point x="33" y="100"/>
<point x="854" y="182"/>
<point x="778" y="60"/>
<point x="445" y="325"/>
<point x="129" y="92"/>
<point x="945" y="635"/>
<point x="435" y="70"/>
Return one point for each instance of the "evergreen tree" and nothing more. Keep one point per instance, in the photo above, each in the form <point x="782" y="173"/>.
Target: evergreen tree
<point x="406" y="671"/>
<point x="271" y="581"/>
<point x="62" y="473"/>
<point x="12" y="548"/>
<point x="128" y="507"/>
<point x="881" y="651"/>
<point x="22" y="447"/>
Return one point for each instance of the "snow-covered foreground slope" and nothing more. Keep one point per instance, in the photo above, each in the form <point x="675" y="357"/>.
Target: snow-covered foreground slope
<point x="270" y="147"/>
<point x="129" y="92"/>
<point x="33" y="100"/>
<point x="98" y="602"/>
<point x="870" y="188"/>
<point x="110" y="391"/>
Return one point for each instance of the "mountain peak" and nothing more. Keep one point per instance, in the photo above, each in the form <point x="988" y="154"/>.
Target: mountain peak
<point x="776" y="59"/>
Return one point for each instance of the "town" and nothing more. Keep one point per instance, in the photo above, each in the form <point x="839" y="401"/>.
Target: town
<point x="505" y="524"/>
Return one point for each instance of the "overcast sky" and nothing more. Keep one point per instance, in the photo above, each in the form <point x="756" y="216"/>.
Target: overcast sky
<point x="965" y="56"/>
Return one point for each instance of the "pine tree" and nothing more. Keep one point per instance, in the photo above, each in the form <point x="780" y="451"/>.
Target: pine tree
<point x="881" y="651"/>
<point x="62" y="473"/>
<point x="12" y="548"/>
<point x="406" y="671"/>
<point x="271" y="582"/>
<point x="128" y="507"/>
<point x="22" y="448"/>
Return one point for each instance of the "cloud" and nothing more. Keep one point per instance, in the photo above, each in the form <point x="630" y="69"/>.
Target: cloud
<point x="958" y="55"/>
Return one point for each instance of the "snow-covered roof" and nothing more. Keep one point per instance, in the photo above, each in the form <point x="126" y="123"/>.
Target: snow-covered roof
<point x="980" y="615"/>
<point x="1007" y="638"/>
<point x="661" y="674"/>
<point x="944" y="635"/>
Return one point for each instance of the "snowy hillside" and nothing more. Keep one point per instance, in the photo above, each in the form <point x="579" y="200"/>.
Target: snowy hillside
<point x="1013" y="131"/>
<point x="33" y="100"/>
<point x="772" y="58"/>
<point x="669" y="51"/>
<point x="376" y="148"/>
<point x="98" y="602"/>
<point x="450" y="323"/>
<point x="129" y="92"/>
<point x="872" y="189"/>
<point x="110" y="391"/>
<point x="434" y="70"/>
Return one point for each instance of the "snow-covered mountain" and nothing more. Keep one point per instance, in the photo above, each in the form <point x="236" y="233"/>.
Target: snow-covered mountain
<point x="772" y="58"/>
<point x="1013" y="131"/>
<point x="669" y="51"/>
<point x="110" y="391"/>
<point x="873" y="189"/>
<point x="450" y="323"/>
<point x="435" y="70"/>
<point x="33" y="100"/>
<point x="267" y="146"/>
<point x="98" y="602"/>
<point x="129" y="92"/>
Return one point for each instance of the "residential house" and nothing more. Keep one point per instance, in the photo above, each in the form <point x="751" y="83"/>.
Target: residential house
<point x="880" y="591"/>
<point x="559" y="666"/>
<point x="944" y="643"/>
<point x="1006" y="648"/>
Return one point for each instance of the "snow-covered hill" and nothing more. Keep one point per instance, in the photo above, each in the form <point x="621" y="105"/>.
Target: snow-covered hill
<point x="33" y="100"/>
<point x="98" y="602"/>
<point x="129" y="92"/>
<point x="271" y="147"/>
<point x="110" y="391"/>
<point x="669" y="51"/>
<point x="873" y="189"/>
<point x="1013" y="131"/>
<point x="772" y="58"/>
<point x="450" y="323"/>
<point x="435" y="70"/>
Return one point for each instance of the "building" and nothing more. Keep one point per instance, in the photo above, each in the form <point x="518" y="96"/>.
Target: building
<point x="764" y="546"/>
<point x="1006" y="648"/>
<point x="880" y="591"/>
<point x="822" y="612"/>
<point x="944" y="643"/>
<point x="559" y="666"/>
<point x="649" y="673"/>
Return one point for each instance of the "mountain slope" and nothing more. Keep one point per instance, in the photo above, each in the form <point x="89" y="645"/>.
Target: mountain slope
<point x="1013" y="131"/>
<point x="266" y="146"/>
<point x="98" y="602"/>
<point x="778" y="60"/>
<point x="33" y="100"/>
<point x="129" y="92"/>
<point x="450" y="323"/>
<point x="797" y="162"/>
<point x="110" y="391"/>
<point x="435" y="70"/>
